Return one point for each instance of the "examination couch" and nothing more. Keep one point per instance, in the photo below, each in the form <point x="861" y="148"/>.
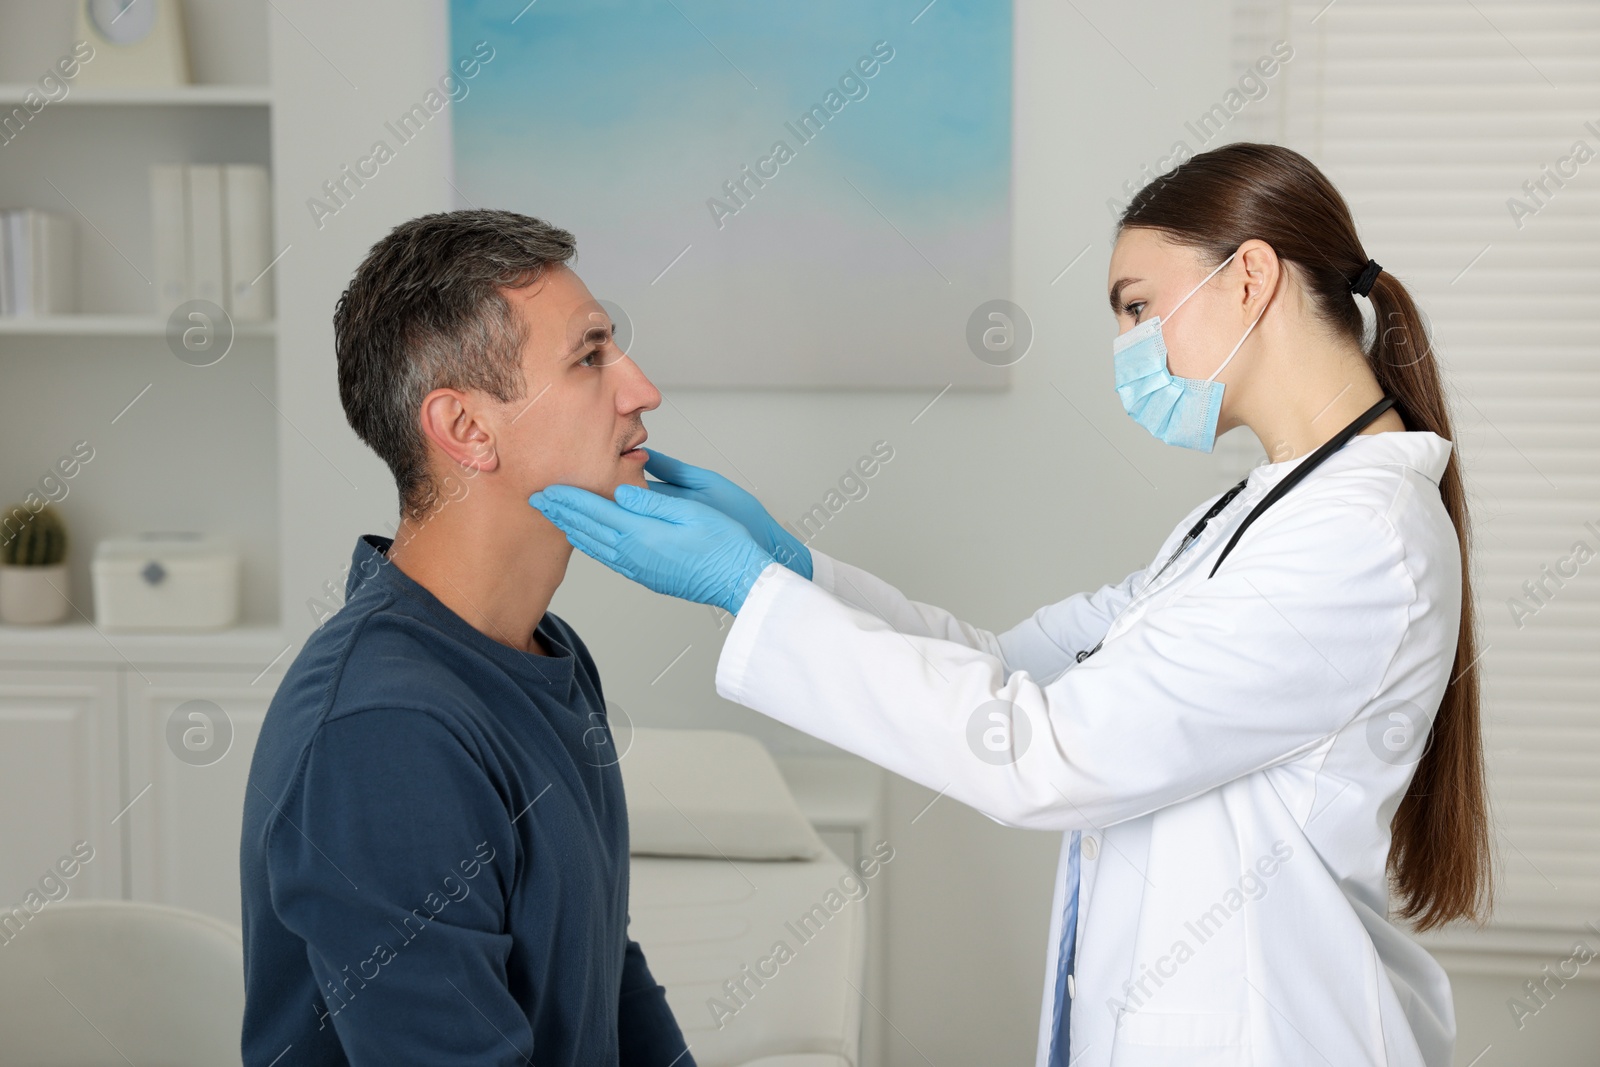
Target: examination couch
<point x="755" y="929"/>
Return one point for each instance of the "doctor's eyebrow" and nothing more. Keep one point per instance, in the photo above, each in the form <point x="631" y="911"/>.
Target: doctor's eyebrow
<point x="1116" y="292"/>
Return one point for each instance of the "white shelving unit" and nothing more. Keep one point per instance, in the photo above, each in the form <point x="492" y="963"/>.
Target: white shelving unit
<point x="106" y="374"/>
<point x="85" y="714"/>
<point x="181" y="96"/>
<point x="110" y="326"/>
<point x="24" y="647"/>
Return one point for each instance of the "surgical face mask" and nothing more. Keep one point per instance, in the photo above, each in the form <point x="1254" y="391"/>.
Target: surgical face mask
<point x="1179" y="411"/>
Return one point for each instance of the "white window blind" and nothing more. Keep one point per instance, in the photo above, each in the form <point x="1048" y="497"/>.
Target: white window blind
<point x="1466" y="137"/>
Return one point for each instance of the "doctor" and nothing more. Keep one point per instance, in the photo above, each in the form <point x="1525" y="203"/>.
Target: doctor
<point x="1263" y="749"/>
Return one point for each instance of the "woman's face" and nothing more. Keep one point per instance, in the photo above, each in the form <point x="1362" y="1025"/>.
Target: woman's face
<point x="1150" y="273"/>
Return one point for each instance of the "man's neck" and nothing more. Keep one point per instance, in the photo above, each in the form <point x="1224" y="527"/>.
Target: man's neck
<point x="495" y="569"/>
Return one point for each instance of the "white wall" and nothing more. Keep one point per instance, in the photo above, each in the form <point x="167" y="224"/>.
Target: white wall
<point x="339" y="72"/>
<point x="1562" y="1033"/>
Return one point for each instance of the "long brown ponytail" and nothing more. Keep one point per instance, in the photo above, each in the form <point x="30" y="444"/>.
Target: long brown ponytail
<point x="1439" y="858"/>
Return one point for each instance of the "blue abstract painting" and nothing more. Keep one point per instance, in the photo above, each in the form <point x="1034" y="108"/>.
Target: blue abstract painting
<point x="775" y="194"/>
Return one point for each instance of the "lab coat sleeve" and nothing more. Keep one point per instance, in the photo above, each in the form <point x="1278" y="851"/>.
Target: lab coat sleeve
<point x="1043" y="644"/>
<point x="1283" y="647"/>
<point x="869" y="593"/>
<point x="1048" y="642"/>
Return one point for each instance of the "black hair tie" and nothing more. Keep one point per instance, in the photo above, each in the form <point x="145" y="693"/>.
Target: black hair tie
<point x="1363" y="282"/>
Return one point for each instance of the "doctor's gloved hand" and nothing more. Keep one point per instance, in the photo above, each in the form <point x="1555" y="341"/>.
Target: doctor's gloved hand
<point x="688" y="482"/>
<point x="678" y="547"/>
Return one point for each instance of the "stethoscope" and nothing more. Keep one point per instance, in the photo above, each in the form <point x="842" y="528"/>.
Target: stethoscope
<point x="1290" y="480"/>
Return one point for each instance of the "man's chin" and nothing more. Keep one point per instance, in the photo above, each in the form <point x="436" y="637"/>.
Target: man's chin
<point x="631" y="478"/>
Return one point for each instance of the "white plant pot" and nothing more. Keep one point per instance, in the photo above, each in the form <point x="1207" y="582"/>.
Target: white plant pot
<point x="33" y="596"/>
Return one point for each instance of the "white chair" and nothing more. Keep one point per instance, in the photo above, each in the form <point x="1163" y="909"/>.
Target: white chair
<point x="106" y="983"/>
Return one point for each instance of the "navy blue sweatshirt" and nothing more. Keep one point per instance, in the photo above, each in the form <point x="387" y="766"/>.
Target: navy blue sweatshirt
<point x="434" y="861"/>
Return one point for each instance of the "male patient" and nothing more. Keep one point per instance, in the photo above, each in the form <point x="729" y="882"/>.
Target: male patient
<point x="435" y="853"/>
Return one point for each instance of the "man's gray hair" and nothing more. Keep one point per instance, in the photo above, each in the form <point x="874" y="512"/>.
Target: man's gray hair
<point x="425" y="311"/>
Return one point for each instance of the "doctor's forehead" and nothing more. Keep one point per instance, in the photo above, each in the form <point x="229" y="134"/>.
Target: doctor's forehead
<point x="1137" y="250"/>
<point x="1125" y="269"/>
<point x="1142" y="253"/>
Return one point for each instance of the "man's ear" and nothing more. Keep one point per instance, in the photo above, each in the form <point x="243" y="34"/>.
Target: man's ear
<point x="453" y="420"/>
<point x="1263" y="272"/>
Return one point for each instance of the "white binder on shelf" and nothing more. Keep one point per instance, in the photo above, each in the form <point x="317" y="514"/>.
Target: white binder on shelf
<point x="247" y="208"/>
<point x="38" y="263"/>
<point x="7" y="297"/>
<point x="19" y="281"/>
<point x="211" y="232"/>
<point x="55" y="272"/>
<point x="169" y="234"/>
<point x="207" y="252"/>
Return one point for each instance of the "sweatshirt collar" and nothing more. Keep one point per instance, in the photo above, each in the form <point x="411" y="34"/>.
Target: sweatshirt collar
<point x="369" y="564"/>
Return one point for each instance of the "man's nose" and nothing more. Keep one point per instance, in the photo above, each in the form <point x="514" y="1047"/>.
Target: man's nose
<point x="636" y="392"/>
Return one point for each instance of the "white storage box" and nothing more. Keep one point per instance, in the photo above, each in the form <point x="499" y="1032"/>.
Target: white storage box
<point x="166" y="581"/>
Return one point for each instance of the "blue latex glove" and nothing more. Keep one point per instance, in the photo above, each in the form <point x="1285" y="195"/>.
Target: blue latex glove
<point x="678" y="547"/>
<point x="688" y="482"/>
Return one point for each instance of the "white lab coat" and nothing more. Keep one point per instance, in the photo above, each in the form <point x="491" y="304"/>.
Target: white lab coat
<point x="1230" y="757"/>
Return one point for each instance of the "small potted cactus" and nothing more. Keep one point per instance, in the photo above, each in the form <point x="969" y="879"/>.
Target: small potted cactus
<point x="33" y="566"/>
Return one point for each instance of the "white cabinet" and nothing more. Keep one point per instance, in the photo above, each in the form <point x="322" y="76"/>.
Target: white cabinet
<point x="190" y="736"/>
<point x="139" y="745"/>
<point x="59" y="778"/>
